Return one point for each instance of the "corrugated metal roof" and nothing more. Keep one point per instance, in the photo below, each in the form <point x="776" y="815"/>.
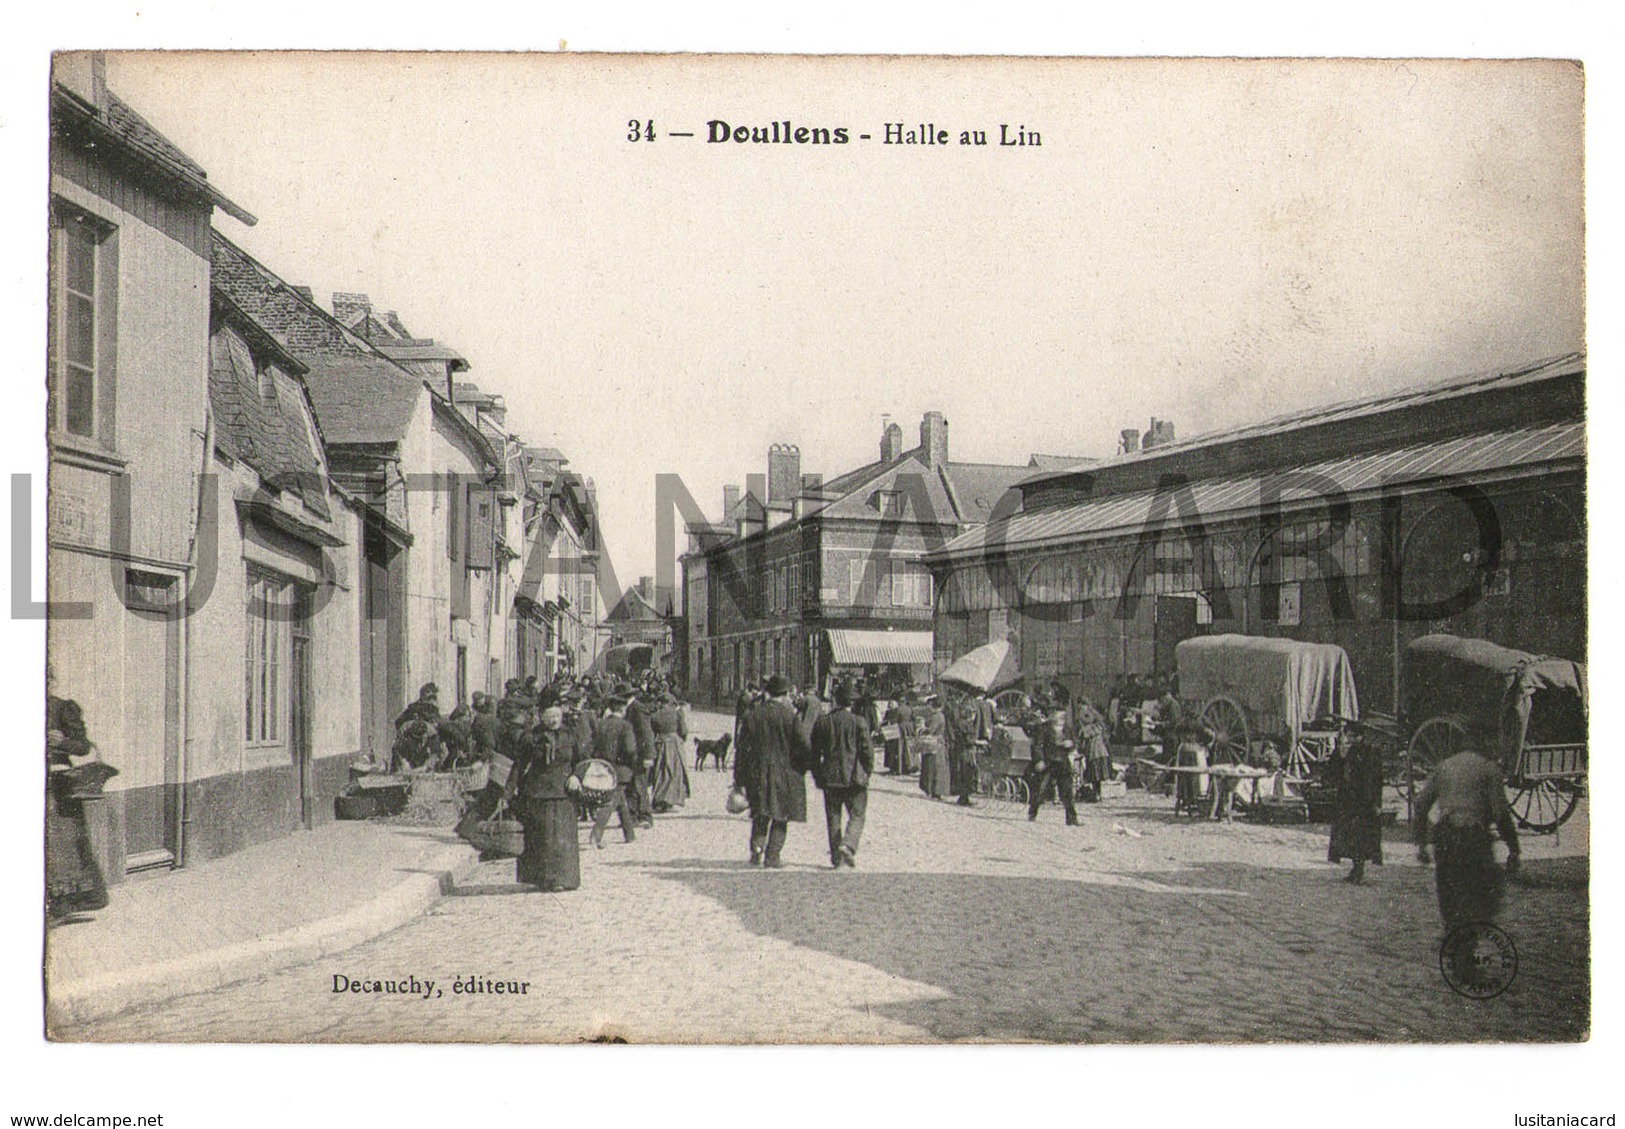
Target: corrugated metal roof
<point x="1434" y="392"/>
<point x="1217" y="497"/>
<point x="852" y="646"/>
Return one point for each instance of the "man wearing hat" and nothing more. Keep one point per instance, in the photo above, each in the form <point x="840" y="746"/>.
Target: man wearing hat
<point x="771" y="767"/>
<point x="843" y="761"/>
<point x="417" y="736"/>
<point x="1052" y="763"/>
<point x="484" y="725"/>
<point x="614" y="741"/>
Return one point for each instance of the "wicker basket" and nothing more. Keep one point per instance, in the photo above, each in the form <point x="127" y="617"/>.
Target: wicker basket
<point x="473" y="777"/>
<point x="499" y="838"/>
<point x="435" y="800"/>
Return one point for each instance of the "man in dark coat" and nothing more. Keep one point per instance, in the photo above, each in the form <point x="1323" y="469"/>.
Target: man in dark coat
<point x="771" y="767"/>
<point x="843" y="761"/>
<point x="638" y="712"/>
<point x="485" y="726"/>
<point x="614" y="741"/>
<point x="417" y="732"/>
<point x="1052" y="764"/>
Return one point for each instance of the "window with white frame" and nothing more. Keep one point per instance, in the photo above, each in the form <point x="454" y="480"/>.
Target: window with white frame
<point x="270" y="606"/>
<point x="81" y="339"/>
<point x="910" y="585"/>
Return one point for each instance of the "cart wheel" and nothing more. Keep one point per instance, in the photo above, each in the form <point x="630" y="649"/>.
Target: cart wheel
<point x="1542" y="806"/>
<point x="1435" y="741"/>
<point x="1228" y="721"/>
<point x="1018" y="790"/>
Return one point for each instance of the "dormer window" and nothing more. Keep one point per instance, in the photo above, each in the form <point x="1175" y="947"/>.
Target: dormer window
<point x="889" y="503"/>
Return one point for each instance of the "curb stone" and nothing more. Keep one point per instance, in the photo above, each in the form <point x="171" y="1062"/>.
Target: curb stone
<point x="102" y="997"/>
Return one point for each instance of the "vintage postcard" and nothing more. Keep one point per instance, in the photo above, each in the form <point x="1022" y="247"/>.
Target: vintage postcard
<point x="552" y="548"/>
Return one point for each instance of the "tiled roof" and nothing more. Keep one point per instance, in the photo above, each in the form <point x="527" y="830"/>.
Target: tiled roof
<point x="361" y="399"/>
<point x="360" y="396"/>
<point x="128" y="129"/>
<point x="980" y="486"/>
<point x="271" y="433"/>
<point x="136" y="131"/>
<point x="1122" y="514"/>
<point x="298" y="323"/>
<point x="430" y="352"/>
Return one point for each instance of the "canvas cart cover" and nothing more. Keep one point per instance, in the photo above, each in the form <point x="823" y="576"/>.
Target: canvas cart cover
<point x="623" y="659"/>
<point x="988" y="669"/>
<point x="1480" y="680"/>
<point x="1294" y="683"/>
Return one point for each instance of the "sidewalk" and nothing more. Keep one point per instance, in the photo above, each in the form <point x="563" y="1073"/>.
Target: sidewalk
<point x="262" y="909"/>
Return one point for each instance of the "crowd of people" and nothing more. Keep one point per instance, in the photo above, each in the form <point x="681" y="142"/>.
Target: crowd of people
<point x="575" y="749"/>
<point x="584" y="749"/>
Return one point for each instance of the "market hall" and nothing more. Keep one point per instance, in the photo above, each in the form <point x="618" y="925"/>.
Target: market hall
<point x="1456" y="507"/>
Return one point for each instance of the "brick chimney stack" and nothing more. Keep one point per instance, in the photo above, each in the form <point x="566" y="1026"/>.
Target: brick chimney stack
<point x="1160" y="433"/>
<point x="1130" y="442"/>
<point x="934" y="439"/>
<point x="783" y="473"/>
<point x="347" y="307"/>
<point x="730" y="499"/>
<point x="891" y="443"/>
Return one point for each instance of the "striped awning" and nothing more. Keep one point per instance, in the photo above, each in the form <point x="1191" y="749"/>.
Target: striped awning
<point x="851" y="646"/>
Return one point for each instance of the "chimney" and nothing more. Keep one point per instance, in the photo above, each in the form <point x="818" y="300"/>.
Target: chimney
<point x="891" y="443"/>
<point x="783" y="473"/>
<point x="84" y="75"/>
<point x="348" y="307"/>
<point x="1130" y="442"/>
<point x="305" y="293"/>
<point x="811" y="484"/>
<point x="730" y="499"/>
<point x="1160" y="433"/>
<point x="934" y="439"/>
<point x="646" y="589"/>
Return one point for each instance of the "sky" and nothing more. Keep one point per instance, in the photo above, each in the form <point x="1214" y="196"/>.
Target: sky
<point x="1200" y="241"/>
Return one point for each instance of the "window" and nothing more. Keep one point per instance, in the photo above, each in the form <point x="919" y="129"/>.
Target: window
<point x="910" y="585"/>
<point x="270" y="604"/>
<point x="80" y="345"/>
<point x="890" y="503"/>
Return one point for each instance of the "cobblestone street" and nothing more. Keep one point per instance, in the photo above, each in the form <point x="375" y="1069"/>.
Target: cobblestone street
<point x="958" y="925"/>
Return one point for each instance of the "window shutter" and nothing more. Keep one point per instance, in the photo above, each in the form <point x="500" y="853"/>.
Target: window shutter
<point x="454" y="523"/>
<point x="481" y="525"/>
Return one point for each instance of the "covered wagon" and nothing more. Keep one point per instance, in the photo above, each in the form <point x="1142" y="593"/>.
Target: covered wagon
<point x="1529" y="712"/>
<point x="1247" y="689"/>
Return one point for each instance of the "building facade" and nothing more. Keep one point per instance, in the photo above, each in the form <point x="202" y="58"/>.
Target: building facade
<point x="128" y="431"/>
<point x="810" y="578"/>
<point x="1457" y="507"/>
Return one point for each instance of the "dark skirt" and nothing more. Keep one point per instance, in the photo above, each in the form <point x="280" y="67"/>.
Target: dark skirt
<point x="552" y="855"/>
<point x="1356" y="835"/>
<point x="1470" y="884"/>
<point x="934" y="776"/>
<point x="73" y="880"/>
<point x="669" y="783"/>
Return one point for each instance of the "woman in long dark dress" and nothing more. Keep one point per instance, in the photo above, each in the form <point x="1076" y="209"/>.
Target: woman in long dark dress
<point x="1357" y="822"/>
<point x="546" y="789"/>
<point x="73" y="879"/>
<point x="933" y="746"/>
<point x="669" y="780"/>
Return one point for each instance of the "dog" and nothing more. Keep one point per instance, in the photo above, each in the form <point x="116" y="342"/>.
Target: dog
<point x="717" y="748"/>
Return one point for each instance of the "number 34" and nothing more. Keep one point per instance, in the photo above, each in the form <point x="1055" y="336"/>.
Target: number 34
<point x="640" y="131"/>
